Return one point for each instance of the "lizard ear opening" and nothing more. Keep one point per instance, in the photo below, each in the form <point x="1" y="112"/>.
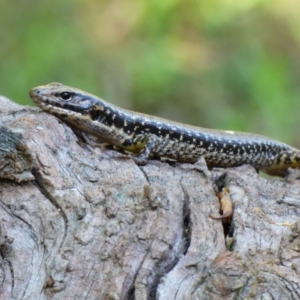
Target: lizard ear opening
<point x="97" y="115"/>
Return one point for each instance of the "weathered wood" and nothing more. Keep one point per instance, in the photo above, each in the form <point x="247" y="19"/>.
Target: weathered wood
<point x="79" y="222"/>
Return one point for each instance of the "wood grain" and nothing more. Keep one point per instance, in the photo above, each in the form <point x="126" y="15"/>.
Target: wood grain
<point x="85" y="223"/>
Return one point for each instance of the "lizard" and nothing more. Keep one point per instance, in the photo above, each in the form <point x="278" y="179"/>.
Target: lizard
<point x="147" y="137"/>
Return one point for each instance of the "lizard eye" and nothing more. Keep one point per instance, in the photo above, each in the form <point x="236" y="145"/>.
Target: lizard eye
<point x="66" y="95"/>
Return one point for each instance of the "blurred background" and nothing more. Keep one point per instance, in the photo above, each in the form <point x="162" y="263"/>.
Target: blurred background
<point x="225" y="64"/>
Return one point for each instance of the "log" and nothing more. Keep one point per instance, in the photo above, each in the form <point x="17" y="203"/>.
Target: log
<point x="82" y="222"/>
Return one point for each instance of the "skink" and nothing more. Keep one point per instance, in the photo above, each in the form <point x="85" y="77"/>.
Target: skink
<point x="152" y="137"/>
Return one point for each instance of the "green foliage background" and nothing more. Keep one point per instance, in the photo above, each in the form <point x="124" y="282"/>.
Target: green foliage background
<point x="226" y="64"/>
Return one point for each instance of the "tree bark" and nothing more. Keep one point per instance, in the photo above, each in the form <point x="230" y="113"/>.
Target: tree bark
<point x="82" y="222"/>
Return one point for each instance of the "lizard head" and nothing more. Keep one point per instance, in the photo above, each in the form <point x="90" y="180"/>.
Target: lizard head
<point x="63" y="97"/>
<point x="80" y="109"/>
<point x="66" y="102"/>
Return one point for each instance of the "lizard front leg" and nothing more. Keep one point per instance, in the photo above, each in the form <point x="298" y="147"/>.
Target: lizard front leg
<point x="150" y="145"/>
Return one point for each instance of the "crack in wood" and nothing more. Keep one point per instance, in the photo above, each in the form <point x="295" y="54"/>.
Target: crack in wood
<point x="42" y="187"/>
